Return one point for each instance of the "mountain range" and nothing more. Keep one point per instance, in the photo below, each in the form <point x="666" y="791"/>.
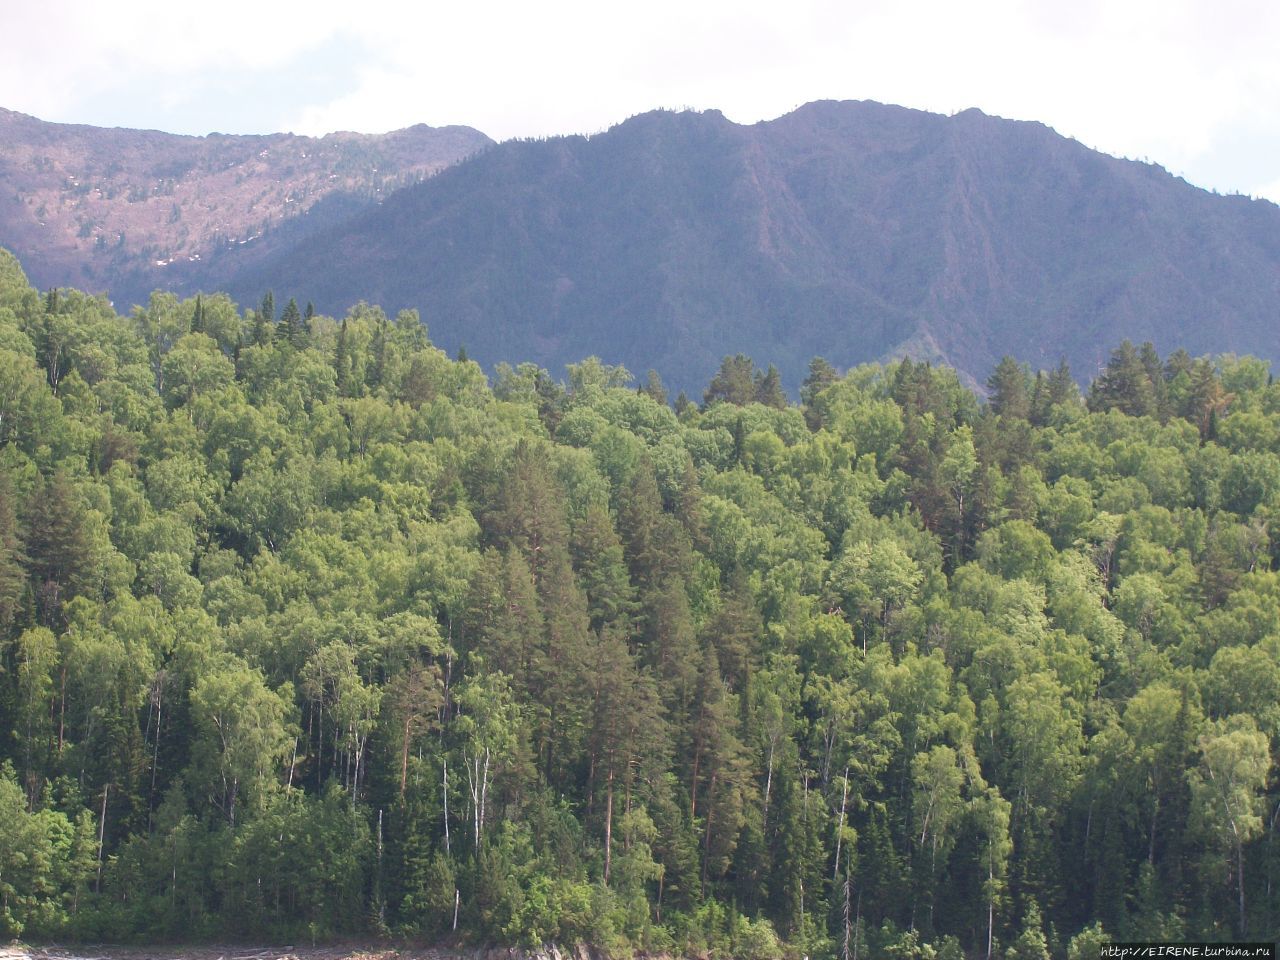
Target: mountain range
<point x="853" y="230"/>
<point x="130" y="211"/>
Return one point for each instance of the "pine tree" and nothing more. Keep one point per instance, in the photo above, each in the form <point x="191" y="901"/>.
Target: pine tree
<point x="58" y="551"/>
<point x="51" y="340"/>
<point x="769" y="389"/>
<point x="290" y="329"/>
<point x="602" y="570"/>
<point x="197" y="316"/>
<point x="1125" y="385"/>
<point x="626" y="730"/>
<point x="735" y="382"/>
<point x="1206" y="399"/>
<point x="376" y="366"/>
<point x="262" y="330"/>
<point x="735" y="633"/>
<point x="719" y="770"/>
<point x="342" y="361"/>
<point x="657" y="546"/>
<point x="653" y="388"/>
<point x="531" y="520"/>
<point x="821" y="375"/>
<point x="1053" y="391"/>
<point x="669" y="643"/>
<point x="12" y="558"/>
<point x="1156" y="375"/>
<point x="1010" y="389"/>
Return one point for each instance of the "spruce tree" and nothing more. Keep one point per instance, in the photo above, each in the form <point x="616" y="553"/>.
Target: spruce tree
<point x="12" y="578"/>
<point x="769" y="389"/>
<point x="653" y="388"/>
<point x="290" y="329"/>
<point x="1010" y="390"/>
<point x="197" y="316"/>
<point x="58" y="550"/>
<point x="342" y="361"/>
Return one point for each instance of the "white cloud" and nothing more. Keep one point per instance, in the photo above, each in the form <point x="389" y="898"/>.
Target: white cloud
<point x="56" y="55"/>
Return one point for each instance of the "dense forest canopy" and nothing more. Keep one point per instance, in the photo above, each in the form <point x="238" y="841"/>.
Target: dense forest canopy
<point x="309" y="630"/>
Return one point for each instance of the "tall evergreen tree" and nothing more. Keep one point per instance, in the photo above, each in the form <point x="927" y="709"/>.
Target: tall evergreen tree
<point x="769" y="389"/>
<point x="734" y="382"/>
<point x="653" y="388"/>
<point x="342" y="361"/>
<point x="197" y="315"/>
<point x="1010" y="389"/>
<point x="12" y="557"/>
<point x="1125" y="385"/>
<point x="59" y="560"/>
<point x="291" y="329"/>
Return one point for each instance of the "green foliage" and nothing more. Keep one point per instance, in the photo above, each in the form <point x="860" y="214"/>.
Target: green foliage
<point x="325" y="637"/>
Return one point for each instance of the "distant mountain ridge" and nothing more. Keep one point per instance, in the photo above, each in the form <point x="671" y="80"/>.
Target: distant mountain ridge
<point x="132" y="210"/>
<point x="853" y="230"/>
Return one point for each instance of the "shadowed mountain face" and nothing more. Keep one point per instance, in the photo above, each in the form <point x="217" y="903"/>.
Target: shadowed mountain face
<point x="850" y="230"/>
<point x="132" y="210"/>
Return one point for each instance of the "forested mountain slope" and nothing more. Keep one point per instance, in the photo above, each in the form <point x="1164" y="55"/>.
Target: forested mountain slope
<point x="130" y="211"/>
<point x="853" y="230"/>
<point x="310" y="631"/>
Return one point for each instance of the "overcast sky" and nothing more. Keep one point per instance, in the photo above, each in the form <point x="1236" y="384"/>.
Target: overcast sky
<point x="1192" y="85"/>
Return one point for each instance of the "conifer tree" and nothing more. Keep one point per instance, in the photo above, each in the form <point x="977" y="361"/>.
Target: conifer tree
<point x="602" y="570"/>
<point x="197" y="316"/>
<point x="57" y="547"/>
<point x="1125" y="385"/>
<point x="12" y="557"/>
<point x="769" y="389"/>
<point x="342" y="361"/>
<point x="1010" y="390"/>
<point x="290" y="329"/>
<point x="653" y="388"/>
<point x="735" y="382"/>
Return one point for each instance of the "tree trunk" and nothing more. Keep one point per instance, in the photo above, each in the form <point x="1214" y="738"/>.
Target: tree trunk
<point x="62" y="708"/>
<point x="608" y="827"/>
<point x="102" y="833"/>
<point x="706" y="845"/>
<point x="844" y="797"/>
<point x="404" y="755"/>
<point x="444" y="789"/>
<point x="693" y="781"/>
<point x="1240" y="884"/>
<point x="768" y="785"/>
<point x="991" y="910"/>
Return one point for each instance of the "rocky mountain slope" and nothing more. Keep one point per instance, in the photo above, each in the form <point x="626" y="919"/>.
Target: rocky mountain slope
<point x="131" y="210"/>
<point x="853" y="230"/>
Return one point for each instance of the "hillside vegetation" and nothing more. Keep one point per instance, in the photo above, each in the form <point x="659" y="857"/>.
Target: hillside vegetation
<point x="129" y="211"/>
<point x="311" y="631"/>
